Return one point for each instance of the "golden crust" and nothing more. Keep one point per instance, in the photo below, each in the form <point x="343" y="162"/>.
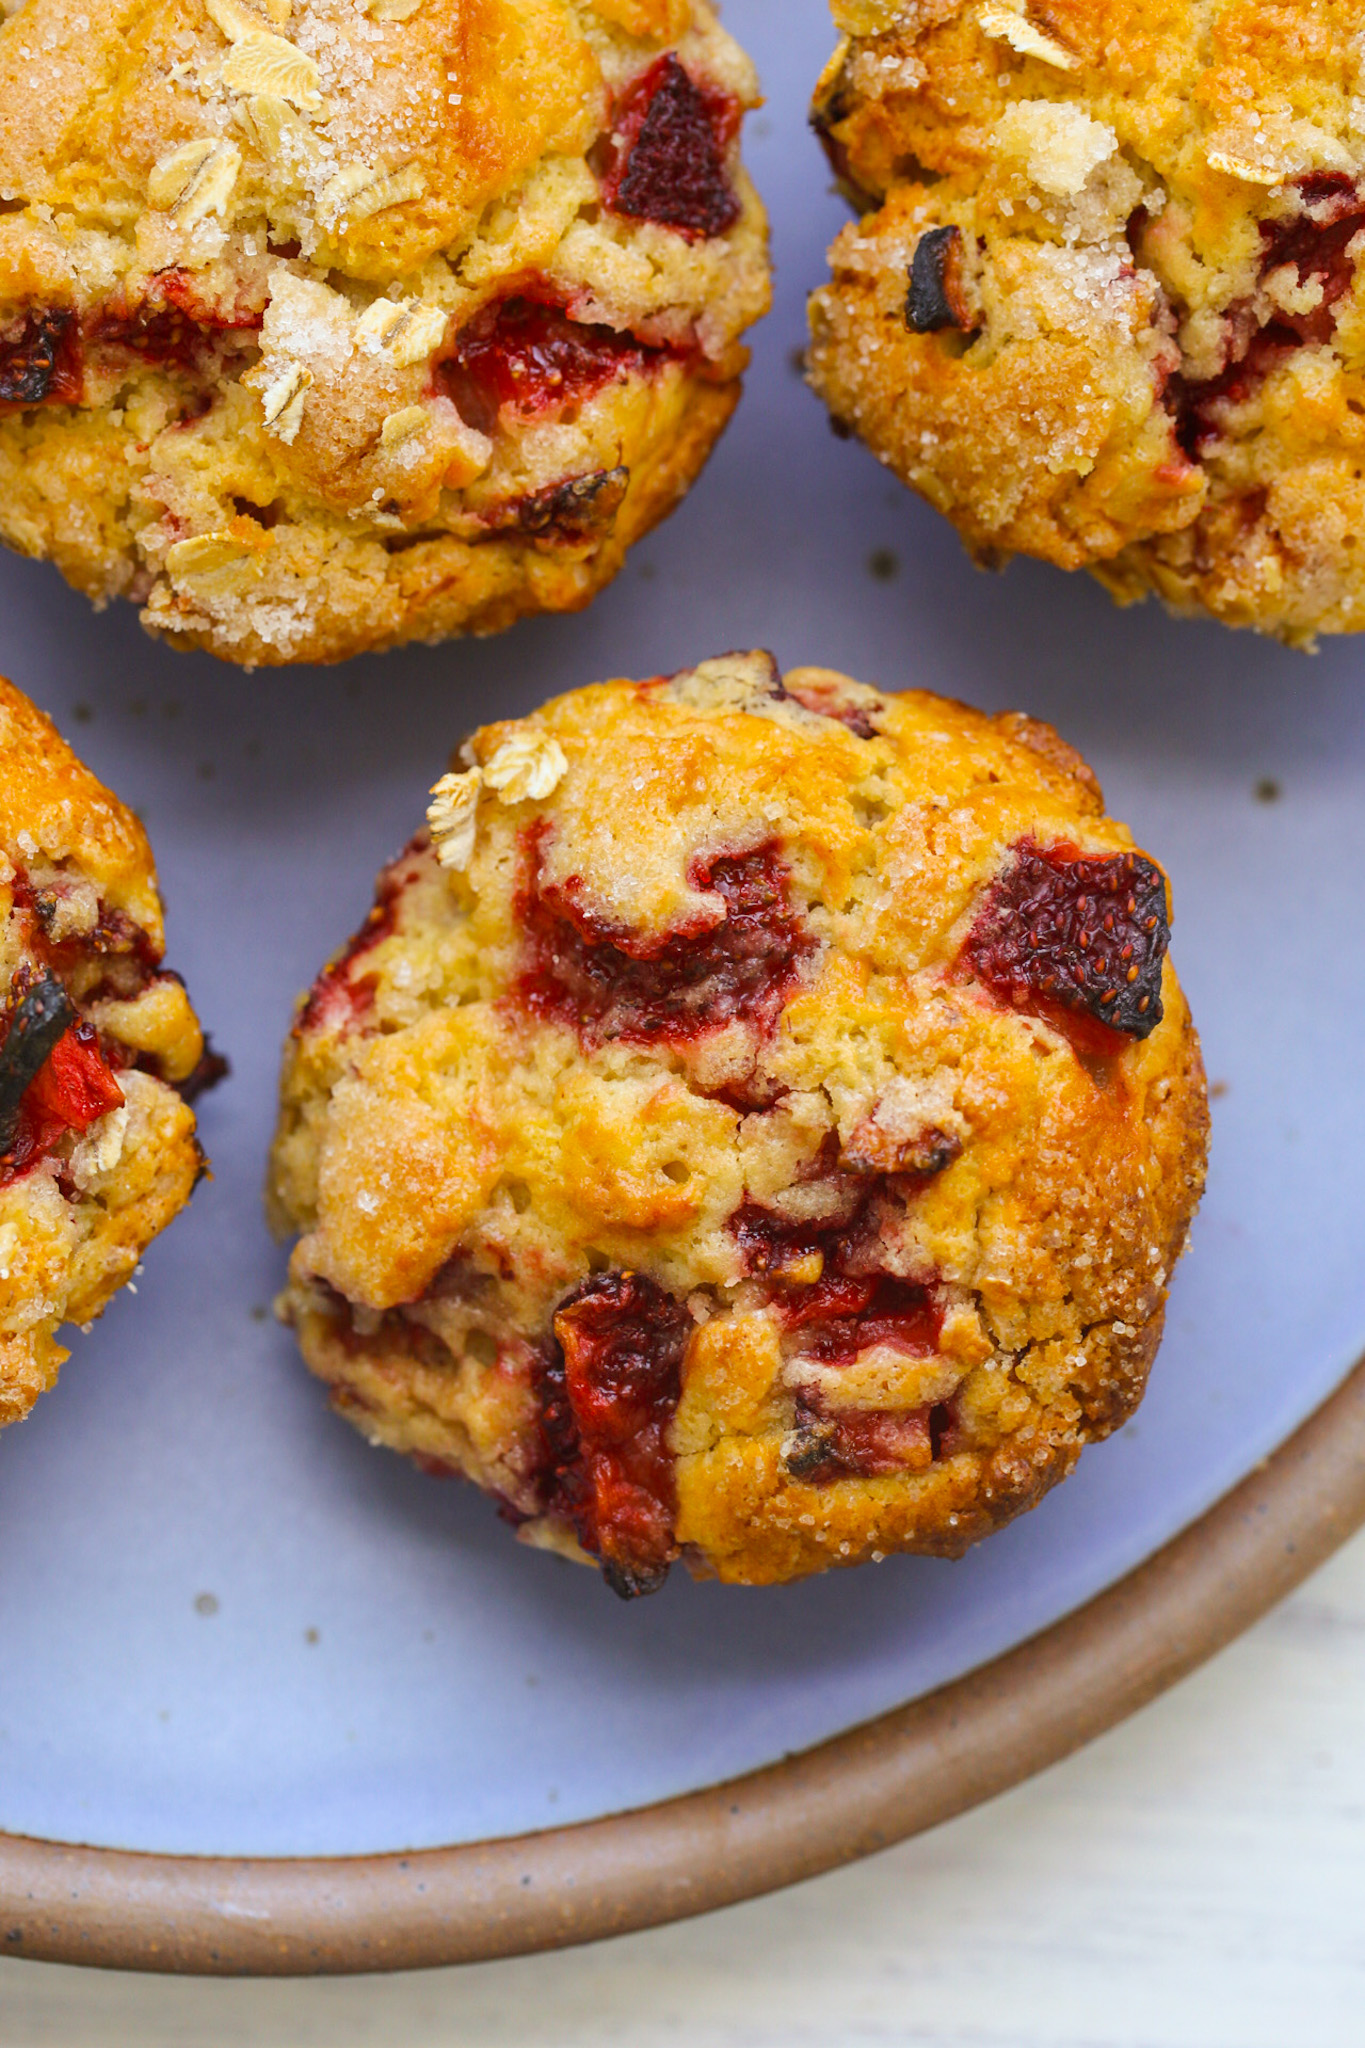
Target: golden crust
<point x="79" y="903"/>
<point x="346" y="595"/>
<point x="459" y="1155"/>
<point x="237" y="292"/>
<point x="69" y="816"/>
<point x="1155" y="372"/>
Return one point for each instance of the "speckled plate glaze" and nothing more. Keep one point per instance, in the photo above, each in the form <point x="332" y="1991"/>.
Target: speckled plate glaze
<point x="230" y="1629"/>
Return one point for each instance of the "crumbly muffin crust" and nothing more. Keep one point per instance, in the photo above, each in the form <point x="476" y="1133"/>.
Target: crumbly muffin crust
<point x="331" y="324"/>
<point x="1103" y="302"/>
<point x="99" y="1052"/>
<point x="756" y="1124"/>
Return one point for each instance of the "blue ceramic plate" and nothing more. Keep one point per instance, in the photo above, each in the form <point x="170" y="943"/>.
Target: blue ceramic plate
<point x="227" y="1625"/>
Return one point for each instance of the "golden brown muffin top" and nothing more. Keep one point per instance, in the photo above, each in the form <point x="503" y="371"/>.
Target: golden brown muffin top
<point x="329" y="324"/>
<point x="376" y="136"/>
<point x="53" y="809"/>
<point x="367" y="88"/>
<point x="1254" y="92"/>
<point x="1103" y="303"/>
<point x="876" y="849"/>
<point x="815" y="1042"/>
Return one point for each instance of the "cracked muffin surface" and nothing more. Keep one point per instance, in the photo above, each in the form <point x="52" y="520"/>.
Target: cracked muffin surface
<point x="99" y="1052"/>
<point x="331" y="324"/>
<point x="755" y="1125"/>
<point x="1102" y="302"/>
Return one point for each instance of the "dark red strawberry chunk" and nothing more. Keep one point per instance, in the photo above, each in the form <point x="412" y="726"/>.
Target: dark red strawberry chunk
<point x="773" y="1244"/>
<point x="1317" y="242"/>
<point x="842" y="1231"/>
<point x="171" y="326"/>
<point x="54" y="1078"/>
<point x="610" y="983"/>
<point x="1076" y="939"/>
<point x="837" y="1233"/>
<point x="851" y="1305"/>
<point x="836" y="1300"/>
<point x="528" y="356"/>
<point x="840" y="1317"/>
<point x="77" y="1086"/>
<point x="609" y="1386"/>
<point x="671" y="138"/>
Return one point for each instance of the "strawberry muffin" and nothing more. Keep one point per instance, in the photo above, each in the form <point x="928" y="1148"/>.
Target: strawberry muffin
<point x="331" y="324"/>
<point x="99" y="1052"/>
<point x="1104" y="301"/>
<point x="755" y="1126"/>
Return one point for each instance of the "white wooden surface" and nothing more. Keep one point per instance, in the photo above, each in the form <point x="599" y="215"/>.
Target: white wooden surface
<point x="1194" y="1880"/>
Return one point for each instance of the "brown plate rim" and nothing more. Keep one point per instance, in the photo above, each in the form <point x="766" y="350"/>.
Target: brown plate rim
<point x="892" y="1777"/>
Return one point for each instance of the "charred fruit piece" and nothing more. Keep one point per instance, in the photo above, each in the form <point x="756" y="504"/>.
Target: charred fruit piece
<point x="1077" y="939"/>
<point x="937" y="297"/>
<point x="73" y="1088"/>
<point x="77" y="1085"/>
<point x="576" y="510"/>
<point x="42" y="1018"/>
<point x="40" y="365"/>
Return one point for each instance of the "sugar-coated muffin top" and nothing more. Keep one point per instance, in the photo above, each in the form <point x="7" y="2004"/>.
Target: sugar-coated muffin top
<point x="327" y="324"/>
<point x="756" y="1123"/>
<point x="99" y="1049"/>
<point x="1103" y="304"/>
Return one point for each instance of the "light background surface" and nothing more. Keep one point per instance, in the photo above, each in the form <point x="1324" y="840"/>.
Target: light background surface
<point x="227" y="1625"/>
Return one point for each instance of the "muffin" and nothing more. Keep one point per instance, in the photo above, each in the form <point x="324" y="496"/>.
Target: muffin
<point x="99" y="1052"/>
<point x="331" y="324"/>
<point x="755" y="1125"/>
<point x="1102" y="303"/>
